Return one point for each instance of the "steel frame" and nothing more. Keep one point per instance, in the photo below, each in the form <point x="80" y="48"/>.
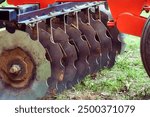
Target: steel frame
<point x="126" y="13"/>
<point x="23" y="15"/>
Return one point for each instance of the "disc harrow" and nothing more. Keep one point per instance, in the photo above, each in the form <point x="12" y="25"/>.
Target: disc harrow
<point x="118" y="43"/>
<point x="71" y="56"/>
<point x="56" y="55"/>
<point x="77" y="43"/>
<point x="83" y="52"/>
<point x="94" y="46"/>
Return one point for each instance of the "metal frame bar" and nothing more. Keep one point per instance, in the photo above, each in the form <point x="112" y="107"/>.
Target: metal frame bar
<point x="126" y="13"/>
<point x="54" y="11"/>
<point x="49" y="12"/>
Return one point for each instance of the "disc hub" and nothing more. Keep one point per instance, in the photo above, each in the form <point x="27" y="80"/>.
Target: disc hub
<point x="16" y="68"/>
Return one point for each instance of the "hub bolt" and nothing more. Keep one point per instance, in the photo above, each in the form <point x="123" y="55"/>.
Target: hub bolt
<point x="15" y="69"/>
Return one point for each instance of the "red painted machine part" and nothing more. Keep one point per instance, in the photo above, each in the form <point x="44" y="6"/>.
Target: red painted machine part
<point x="43" y="3"/>
<point x="131" y="24"/>
<point x="126" y="13"/>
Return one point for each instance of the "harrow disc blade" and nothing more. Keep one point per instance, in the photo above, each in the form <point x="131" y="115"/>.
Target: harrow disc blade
<point x="22" y="67"/>
<point x="68" y="50"/>
<point x="83" y="52"/>
<point x="69" y="59"/>
<point x="95" y="49"/>
<point x="108" y="58"/>
<point x="56" y="57"/>
<point x="101" y="36"/>
<point x="118" y="44"/>
<point x="117" y="37"/>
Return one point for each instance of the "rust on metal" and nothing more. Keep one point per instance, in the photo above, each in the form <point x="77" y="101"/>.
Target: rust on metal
<point x="70" y="56"/>
<point x="82" y="49"/>
<point x="95" y="47"/>
<point x="16" y="68"/>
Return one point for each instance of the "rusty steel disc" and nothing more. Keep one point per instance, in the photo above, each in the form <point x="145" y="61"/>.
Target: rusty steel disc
<point x="22" y="67"/>
<point x="83" y="52"/>
<point x="82" y="49"/>
<point x="105" y="42"/>
<point x="69" y="60"/>
<point x="95" y="49"/>
<point x="118" y="43"/>
<point x="55" y="56"/>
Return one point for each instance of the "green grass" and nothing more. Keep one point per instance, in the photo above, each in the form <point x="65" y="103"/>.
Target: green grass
<point x="126" y="80"/>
